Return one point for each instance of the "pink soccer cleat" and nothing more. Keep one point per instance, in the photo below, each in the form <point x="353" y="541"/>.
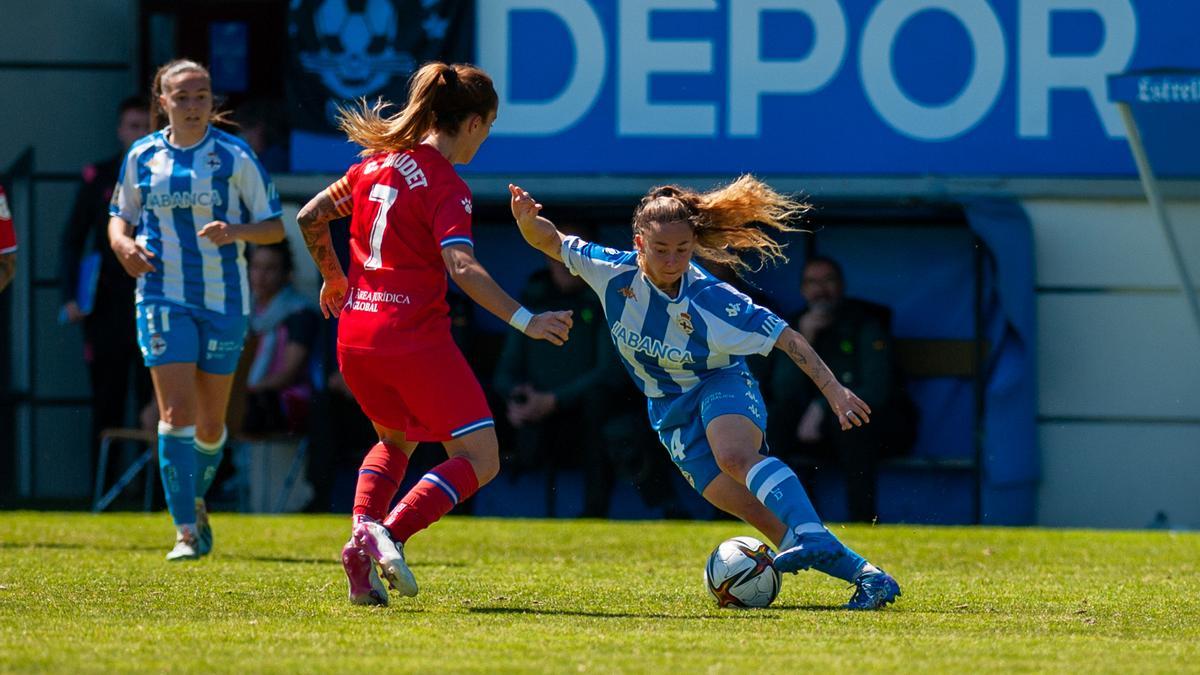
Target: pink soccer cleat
<point x="365" y="586"/>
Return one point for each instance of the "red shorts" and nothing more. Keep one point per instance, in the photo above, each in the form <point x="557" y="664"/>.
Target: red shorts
<point x="431" y="395"/>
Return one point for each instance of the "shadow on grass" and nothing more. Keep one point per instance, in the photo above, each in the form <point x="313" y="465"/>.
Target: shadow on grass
<point x="80" y="546"/>
<point x="732" y="615"/>
<point x="321" y="561"/>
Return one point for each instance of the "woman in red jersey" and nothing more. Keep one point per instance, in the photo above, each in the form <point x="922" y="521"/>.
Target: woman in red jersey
<point x="410" y="224"/>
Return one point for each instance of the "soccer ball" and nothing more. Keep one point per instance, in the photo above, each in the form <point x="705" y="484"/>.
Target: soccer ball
<point x="741" y="573"/>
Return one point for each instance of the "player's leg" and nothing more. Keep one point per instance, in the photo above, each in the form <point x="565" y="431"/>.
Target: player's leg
<point x="379" y="479"/>
<point x="370" y="379"/>
<point x="176" y="393"/>
<point x="805" y="541"/>
<point x="167" y="336"/>
<point x="733" y="498"/>
<point x="474" y="460"/>
<point x="447" y="404"/>
<point x="221" y="338"/>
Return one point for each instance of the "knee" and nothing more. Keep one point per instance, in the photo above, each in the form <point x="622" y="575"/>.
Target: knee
<point x="486" y="466"/>
<point x="735" y="461"/>
<point x="209" y="430"/>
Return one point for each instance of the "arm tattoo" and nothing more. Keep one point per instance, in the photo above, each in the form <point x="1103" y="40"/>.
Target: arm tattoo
<point x="314" y="225"/>
<point x="8" y="268"/>
<point x="798" y="349"/>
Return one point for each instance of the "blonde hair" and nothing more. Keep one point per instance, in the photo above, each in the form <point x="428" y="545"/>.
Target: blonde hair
<point x="158" y="116"/>
<point x="728" y="222"/>
<point x="440" y="96"/>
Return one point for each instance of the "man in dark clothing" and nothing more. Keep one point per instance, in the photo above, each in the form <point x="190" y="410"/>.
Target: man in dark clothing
<point x="854" y="338"/>
<point x="109" y="330"/>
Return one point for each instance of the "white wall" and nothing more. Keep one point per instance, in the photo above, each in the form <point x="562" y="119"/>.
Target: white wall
<point x="1118" y="365"/>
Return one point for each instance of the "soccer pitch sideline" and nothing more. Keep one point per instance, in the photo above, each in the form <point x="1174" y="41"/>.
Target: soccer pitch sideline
<point x="93" y="593"/>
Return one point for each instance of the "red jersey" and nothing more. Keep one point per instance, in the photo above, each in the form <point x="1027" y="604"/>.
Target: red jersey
<point x="8" y="238"/>
<point x="406" y="207"/>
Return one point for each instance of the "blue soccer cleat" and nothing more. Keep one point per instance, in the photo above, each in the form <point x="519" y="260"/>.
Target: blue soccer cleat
<point x="875" y="589"/>
<point x="811" y="551"/>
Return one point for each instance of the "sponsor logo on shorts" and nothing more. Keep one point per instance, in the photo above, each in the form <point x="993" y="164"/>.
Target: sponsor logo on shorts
<point x="687" y="476"/>
<point x="223" y="346"/>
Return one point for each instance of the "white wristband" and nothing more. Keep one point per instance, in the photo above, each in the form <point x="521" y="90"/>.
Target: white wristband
<point x="520" y="319"/>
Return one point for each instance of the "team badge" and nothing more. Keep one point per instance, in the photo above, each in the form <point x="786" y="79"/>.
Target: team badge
<point x="685" y="322"/>
<point x="687" y="476"/>
<point x="627" y="292"/>
<point x="733" y="309"/>
<point x="5" y="214"/>
<point x="212" y="162"/>
<point x="158" y="345"/>
<point x="466" y="202"/>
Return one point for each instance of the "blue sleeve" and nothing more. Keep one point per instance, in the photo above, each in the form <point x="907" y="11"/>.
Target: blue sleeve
<point x="736" y="325"/>
<point x="593" y="263"/>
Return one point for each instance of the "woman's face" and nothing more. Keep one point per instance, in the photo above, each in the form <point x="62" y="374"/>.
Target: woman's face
<point x="187" y="100"/>
<point x="473" y="133"/>
<point x="666" y="251"/>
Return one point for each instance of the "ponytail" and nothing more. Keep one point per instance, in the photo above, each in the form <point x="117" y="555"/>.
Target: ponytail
<point x="440" y="96"/>
<point x="728" y="222"/>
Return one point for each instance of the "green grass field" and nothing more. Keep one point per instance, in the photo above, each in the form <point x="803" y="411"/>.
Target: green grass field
<point x="92" y="593"/>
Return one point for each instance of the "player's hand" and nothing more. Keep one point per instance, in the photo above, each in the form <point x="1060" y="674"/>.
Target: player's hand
<point x="851" y="410"/>
<point x="553" y="327"/>
<point x="524" y="209"/>
<point x="219" y="233"/>
<point x="333" y="296"/>
<point x="134" y="257"/>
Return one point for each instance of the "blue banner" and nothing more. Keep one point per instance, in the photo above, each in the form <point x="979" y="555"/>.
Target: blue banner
<point x="894" y="87"/>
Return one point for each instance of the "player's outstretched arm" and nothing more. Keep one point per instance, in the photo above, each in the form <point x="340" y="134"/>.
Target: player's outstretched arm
<point x="539" y="232"/>
<point x="851" y="411"/>
<point x="313" y="220"/>
<point x="475" y="281"/>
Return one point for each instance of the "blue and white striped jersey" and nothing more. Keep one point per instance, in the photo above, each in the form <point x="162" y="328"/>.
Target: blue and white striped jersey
<point x="669" y="345"/>
<point x="170" y="193"/>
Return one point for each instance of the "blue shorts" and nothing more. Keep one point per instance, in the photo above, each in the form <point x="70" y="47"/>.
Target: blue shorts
<point x="172" y="333"/>
<point x="732" y="391"/>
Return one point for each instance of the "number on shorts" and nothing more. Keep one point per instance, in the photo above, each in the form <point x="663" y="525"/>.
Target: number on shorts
<point x="386" y="196"/>
<point x="676" y="447"/>
<point x="164" y="319"/>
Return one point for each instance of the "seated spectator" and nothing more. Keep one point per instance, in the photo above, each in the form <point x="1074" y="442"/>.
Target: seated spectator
<point x="854" y="339"/>
<point x="285" y="325"/>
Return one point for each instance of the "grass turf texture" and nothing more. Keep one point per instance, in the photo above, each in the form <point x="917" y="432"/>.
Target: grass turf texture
<point x="93" y="593"/>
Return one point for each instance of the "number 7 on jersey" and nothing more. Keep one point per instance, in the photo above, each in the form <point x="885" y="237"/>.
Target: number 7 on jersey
<point x="386" y="196"/>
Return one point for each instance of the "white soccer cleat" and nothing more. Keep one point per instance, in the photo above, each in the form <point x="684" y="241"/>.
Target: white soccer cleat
<point x="374" y="539"/>
<point x="186" y="544"/>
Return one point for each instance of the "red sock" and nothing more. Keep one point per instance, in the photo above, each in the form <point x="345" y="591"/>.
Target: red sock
<point x="432" y="497"/>
<point x="379" y="480"/>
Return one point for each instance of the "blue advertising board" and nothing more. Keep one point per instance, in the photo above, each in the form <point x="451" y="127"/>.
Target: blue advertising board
<point x="892" y="87"/>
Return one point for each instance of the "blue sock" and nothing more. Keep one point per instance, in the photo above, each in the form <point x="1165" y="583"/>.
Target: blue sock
<point x="208" y="459"/>
<point x="177" y="463"/>
<point x="778" y="488"/>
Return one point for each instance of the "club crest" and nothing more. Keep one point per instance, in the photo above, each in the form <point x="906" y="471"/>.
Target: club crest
<point x="685" y="322"/>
